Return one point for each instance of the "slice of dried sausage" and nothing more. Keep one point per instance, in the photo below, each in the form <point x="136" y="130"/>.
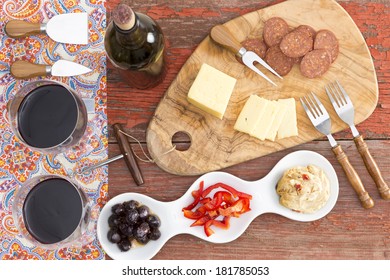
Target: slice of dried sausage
<point x="255" y="45"/>
<point x="315" y="63"/>
<point x="325" y="39"/>
<point x="308" y="29"/>
<point x="274" y="30"/>
<point x="281" y="63"/>
<point x="296" y="43"/>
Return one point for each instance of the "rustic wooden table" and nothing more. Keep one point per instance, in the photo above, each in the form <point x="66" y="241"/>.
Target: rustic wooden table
<point x="348" y="232"/>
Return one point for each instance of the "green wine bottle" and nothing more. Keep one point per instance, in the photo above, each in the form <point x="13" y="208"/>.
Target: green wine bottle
<point x="135" y="45"/>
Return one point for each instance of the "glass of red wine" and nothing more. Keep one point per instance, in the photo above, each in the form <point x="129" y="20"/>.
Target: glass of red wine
<point x="53" y="212"/>
<point x="48" y="116"/>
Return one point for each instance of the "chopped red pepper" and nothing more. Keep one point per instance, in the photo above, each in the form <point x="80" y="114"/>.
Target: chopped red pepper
<point x="205" y="200"/>
<point x="196" y="194"/>
<point x="298" y="187"/>
<point x="239" y="207"/>
<point x="233" y="191"/>
<point x="225" y="224"/>
<point x="227" y="203"/>
<point x="193" y="215"/>
<point x="305" y="177"/>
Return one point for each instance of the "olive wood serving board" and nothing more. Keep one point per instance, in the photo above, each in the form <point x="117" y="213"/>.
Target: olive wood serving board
<point x="214" y="142"/>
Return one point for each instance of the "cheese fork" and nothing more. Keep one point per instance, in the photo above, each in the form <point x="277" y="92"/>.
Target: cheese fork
<point x="321" y="121"/>
<point x="345" y="110"/>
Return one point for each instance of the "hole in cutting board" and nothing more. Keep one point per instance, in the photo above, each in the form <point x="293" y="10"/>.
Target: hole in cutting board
<point x="182" y="141"/>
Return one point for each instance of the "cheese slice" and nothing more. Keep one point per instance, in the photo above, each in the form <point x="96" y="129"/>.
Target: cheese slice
<point x="280" y="114"/>
<point x="288" y="127"/>
<point x="251" y="114"/>
<point x="264" y="124"/>
<point x="211" y="90"/>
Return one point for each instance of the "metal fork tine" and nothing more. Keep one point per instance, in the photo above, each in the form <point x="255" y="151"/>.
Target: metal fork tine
<point x="338" y="95"/>
<point x="329" y="92"/>
<point x="346" y="97"/>
<point x="307" y="110"/>
<point x="323" y="110"/>
<point x="313" y="106"/>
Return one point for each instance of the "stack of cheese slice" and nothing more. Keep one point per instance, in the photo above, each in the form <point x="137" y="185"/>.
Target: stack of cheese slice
<point x="266" y="119"/>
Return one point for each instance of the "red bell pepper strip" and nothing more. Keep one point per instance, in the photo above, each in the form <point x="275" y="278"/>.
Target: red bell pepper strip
<point x="239" y="207"/>
<point x="205" y="200"/>
<point x="197" y="195"/>
<point x="234" y="192"/>
<point x="201" y="221"/>
<point x="225" y="224"/>
<point x="193" y="215"/>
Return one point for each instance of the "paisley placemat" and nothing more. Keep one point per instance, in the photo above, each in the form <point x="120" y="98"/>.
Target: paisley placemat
<point x="17" y="162"/>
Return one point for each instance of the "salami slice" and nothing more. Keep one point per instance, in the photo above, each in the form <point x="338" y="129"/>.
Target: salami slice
<point x="255" y="45"/>
<point x="308" y="29"/>
<point x="274" y="30"/>
<point x="326" y="39"/>
<point x="296" y="43"/>
<point x="281" y="63"/>
<point x="315" y="63"/>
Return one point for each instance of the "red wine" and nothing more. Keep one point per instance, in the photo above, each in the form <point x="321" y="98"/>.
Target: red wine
<point x="47" y="116"/>
<point x="135" y="45"/>
<point x="52" y="210"/>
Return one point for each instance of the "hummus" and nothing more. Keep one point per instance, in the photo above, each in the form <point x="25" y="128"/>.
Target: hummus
<point x="304" y="189"/>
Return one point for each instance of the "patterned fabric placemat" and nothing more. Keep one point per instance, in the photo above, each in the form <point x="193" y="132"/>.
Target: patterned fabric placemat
<point x="17" y="162"/>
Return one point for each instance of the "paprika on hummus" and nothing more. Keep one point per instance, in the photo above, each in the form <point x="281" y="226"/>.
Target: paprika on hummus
<point x="304" y="189"/>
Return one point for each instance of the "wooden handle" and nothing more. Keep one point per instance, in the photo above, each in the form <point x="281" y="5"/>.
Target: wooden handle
<point x="128" y="154"/>
<point x="20" y="28"/>
<point x="221" y="35"/>
<point x="24" y="70"/>
<point x="372" y="167"/>
<point x="353" y="177"/>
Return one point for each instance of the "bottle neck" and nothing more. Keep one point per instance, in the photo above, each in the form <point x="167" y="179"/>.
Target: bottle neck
<point x="132" y="38"/>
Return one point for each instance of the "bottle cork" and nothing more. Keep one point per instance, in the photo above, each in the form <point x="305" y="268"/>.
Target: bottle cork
<point x="123" y="17"/>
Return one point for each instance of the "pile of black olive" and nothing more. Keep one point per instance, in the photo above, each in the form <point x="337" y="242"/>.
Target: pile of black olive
<point x="131" y="221"/>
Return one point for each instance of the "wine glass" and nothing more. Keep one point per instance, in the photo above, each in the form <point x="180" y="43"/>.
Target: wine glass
<point x="47" y="116"/>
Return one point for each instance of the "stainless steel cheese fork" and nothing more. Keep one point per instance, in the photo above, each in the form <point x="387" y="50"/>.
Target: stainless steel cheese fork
<point x="345" y="110"/>
<point x="321" y="121"/>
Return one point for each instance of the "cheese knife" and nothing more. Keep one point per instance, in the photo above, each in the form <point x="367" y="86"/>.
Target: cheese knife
<point x="23" y="69"/>
<point x="69" y="28"/>
<point x="221" y="35"/>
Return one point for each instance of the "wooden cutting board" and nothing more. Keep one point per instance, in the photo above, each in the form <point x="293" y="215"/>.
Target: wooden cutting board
<point x="214" y="142"/>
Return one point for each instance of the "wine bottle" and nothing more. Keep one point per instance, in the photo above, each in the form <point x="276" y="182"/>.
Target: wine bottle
<point x="135" y="45"/>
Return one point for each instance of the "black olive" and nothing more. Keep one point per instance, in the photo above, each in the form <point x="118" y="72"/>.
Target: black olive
<point x="143" y="212"/>
<point x="123" y="228"/>
<point x="142" y="230"/>
<point x="119" y="210"/>
<point x="113" y="208"/>
<point x="132" y="216"/>
<point x="124" y="245"/>
<point x="154" y="234"/>
<point x="114" y="236"/>
<point x="143" y="240"/>
<point x="153" y="221"/>
<point x="127" y="230"/>
<point x="113" y="220"/>
<point x="132" y="204"/>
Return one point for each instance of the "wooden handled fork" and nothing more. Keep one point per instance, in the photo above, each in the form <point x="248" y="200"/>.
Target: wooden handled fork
<point x="345" y="110"/>
<point x="321" y="121"/>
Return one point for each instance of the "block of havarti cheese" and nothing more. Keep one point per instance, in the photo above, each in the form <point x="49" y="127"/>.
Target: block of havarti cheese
<point x="211" y="90"/>
<point x="266" y="119"/>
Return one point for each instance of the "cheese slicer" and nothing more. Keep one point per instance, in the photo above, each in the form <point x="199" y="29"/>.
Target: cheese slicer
<point x="69" y="28"/>
<point x="221" y="35"/>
